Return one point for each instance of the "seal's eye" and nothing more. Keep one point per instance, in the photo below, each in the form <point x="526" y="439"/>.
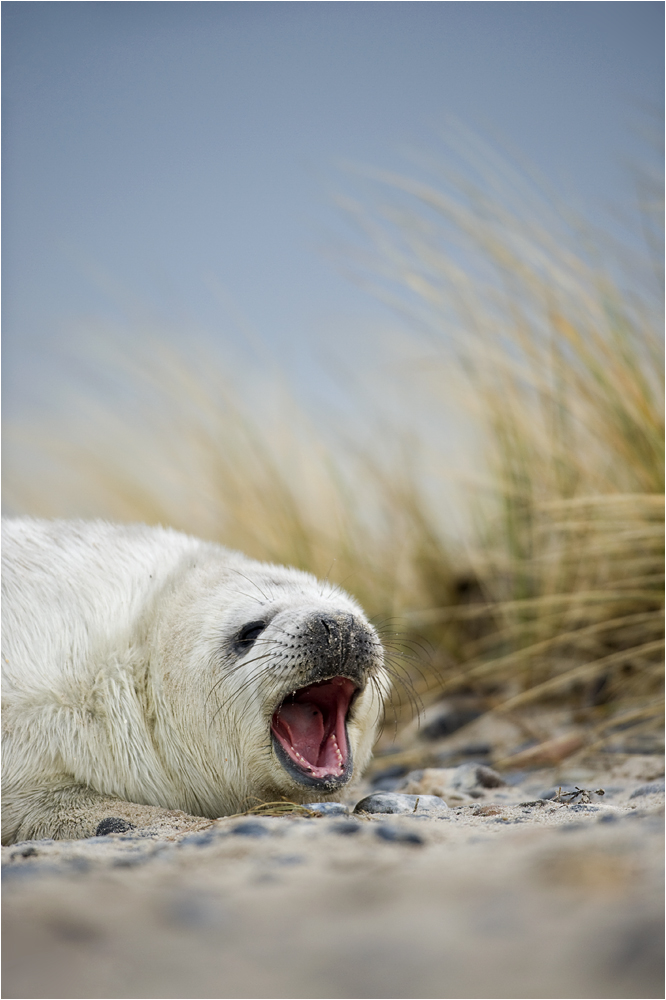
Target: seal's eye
<point x="249" y="633"/>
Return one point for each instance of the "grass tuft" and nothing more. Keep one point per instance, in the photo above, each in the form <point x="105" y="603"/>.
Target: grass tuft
<point x="552" y="350"/>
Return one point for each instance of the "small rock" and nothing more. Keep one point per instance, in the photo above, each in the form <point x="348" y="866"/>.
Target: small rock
<point x="346" y="829"/>
<point x="251" y="829"/>
<point x="25" y="852"/>
<point x="396" y="802"/>
<point x="113" y="824"/>
<point x="129" y="861"/>
<point x="653" y="788"/>
<point x="328" y="808"/>
<point x="391" y="833"/>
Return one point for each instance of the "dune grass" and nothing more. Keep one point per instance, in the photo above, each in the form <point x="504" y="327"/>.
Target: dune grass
<point x="561" y="353"/>
<point x="555" y="353"/>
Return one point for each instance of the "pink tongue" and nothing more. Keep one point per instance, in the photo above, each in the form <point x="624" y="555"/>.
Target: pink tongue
<point x="305" y="726"/>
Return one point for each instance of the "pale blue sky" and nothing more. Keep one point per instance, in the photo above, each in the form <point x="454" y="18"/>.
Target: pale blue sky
<point x="168" y="147"/>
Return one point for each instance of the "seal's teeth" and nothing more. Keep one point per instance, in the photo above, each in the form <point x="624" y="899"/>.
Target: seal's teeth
<point x="336" y="748"/>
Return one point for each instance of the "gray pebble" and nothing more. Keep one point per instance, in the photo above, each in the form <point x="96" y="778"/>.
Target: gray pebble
<point x="25" y="852"/>
<point x="328" y="808"/>
<point x="653" y="788"/>
<point x="346" y="828"/>
<point x="400" y="803"/>
<point x="130" y="861"/>
<point x="251" y="829"/>
<point x="391" y="833"/>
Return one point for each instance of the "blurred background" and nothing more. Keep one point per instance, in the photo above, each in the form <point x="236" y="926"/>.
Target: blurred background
<point x="373" y="289"/>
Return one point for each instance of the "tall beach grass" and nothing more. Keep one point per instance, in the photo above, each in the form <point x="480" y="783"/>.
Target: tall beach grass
<point x="549" y="343"/>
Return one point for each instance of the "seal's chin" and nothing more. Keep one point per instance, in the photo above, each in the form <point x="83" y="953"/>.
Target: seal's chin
<point x="310" y="733"/>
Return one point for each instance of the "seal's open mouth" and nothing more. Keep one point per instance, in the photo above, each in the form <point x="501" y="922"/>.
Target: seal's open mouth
<point x="309" y="728"/>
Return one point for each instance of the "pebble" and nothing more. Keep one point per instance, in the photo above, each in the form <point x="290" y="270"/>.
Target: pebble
<point x="391" y="833"/>
<point x="113" y="824"/>
<point x="328" y="808"/>
<point x="251" y="829"/>
<point x="401" y="803"/>
<point x="653" y="788"/>
<point x="346" y="828"/>
<point x="199" y="839"/>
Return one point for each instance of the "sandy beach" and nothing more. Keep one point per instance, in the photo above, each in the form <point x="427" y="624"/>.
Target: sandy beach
<point x="504" y="894"/>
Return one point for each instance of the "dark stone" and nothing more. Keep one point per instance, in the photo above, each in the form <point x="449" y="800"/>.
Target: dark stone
<point x="251" y="829"/>
<point x="113" y="824"/>
<point x="346" y="829"/>
<point x="391" y="833"/>
<point x="608" y="818"/>
<point x="26" y="852"/>
<point x="653" y="788"/>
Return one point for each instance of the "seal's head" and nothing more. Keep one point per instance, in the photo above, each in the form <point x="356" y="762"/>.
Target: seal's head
<point x="296" y="685"/>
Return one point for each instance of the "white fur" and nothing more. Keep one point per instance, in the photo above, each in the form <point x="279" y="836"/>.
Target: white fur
<point x="117" y="683"/>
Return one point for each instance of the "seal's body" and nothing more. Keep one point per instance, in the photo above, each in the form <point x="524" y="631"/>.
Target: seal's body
<point x="146" y="670"/>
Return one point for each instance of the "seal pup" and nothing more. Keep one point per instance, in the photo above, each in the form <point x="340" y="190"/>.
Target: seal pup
<point x="152" y="677"/>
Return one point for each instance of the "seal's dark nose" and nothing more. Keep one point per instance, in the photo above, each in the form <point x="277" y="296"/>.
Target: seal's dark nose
<point x="340" y="645"/>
